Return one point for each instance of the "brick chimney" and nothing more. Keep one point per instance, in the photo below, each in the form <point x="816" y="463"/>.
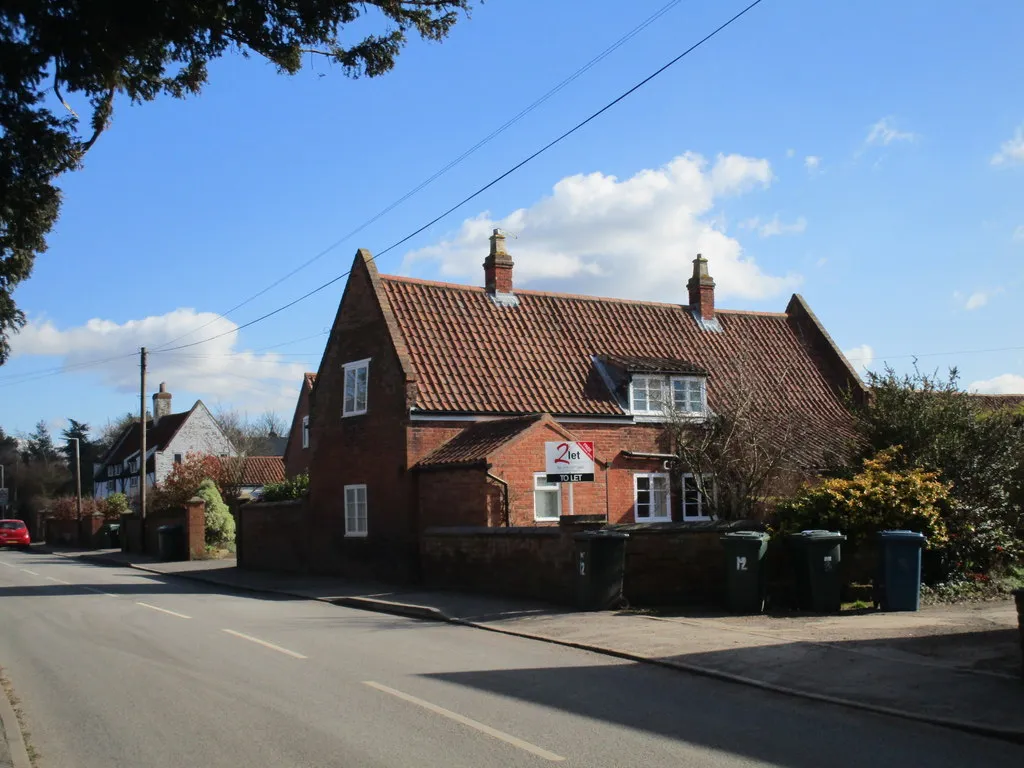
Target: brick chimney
<point x="161" y="404"/>
<point x="702" y="291"/>
<point x="498" y="267"/>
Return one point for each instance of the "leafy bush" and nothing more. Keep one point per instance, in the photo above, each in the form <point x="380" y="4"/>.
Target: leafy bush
<point x="880" y="497"/>
<point x="974" y="446"/>
<point x="66" y="507"/>
<point x="220" y="525"/>
<point x="293" y="488"/>
<point x="117" y="505"/>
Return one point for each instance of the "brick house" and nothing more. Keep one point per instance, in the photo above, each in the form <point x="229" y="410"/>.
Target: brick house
<point x="296" y="452"/>
<point x="169" y="438"/>
<point x="433" y="403"/>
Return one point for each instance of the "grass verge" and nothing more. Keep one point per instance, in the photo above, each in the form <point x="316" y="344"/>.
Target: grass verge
<point x="19" y="713"/>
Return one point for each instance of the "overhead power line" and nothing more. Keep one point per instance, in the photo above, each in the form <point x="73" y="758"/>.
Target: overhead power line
<point x="488" y="185"/>
<point x="449" y="166"/>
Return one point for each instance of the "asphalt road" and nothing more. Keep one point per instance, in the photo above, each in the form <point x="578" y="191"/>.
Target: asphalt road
<point x="119" y="668"/>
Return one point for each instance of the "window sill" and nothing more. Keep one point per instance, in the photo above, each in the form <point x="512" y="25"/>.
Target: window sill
<point x="353" y="413"/>
<point x="642" y="520"/>
<point x="355" y="535"/>
<point x="661" y="418"/>
<point x="546" y="519"/>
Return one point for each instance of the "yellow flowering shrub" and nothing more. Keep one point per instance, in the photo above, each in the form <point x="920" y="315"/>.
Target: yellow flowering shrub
<point x="880" y="497"/>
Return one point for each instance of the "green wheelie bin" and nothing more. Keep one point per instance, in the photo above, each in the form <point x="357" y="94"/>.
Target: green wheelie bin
<point x="816" y="556"/>
<point x="744" y="570"/>
<point x="600" y="568"/>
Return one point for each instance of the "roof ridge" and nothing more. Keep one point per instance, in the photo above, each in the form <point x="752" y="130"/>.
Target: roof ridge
<point x="563" y="295"/>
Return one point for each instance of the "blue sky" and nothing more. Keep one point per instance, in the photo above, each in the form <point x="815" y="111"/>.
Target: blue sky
<point x="868" y="155"/>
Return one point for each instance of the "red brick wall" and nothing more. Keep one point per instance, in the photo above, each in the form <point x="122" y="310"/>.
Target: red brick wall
<point x="368" y="449"/>
<point x="459" y="497"/>
<point x="535" y="563"/>
<point x="195" y="529"/>
<point x="296" y="458"/>
<point x="672" y="564"/>
<point x="272" y="536"/>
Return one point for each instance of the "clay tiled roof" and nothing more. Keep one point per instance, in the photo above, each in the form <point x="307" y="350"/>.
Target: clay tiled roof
<point x="474" y="444"/>
<point x="256" y="470"/>
<point x="470" y="355"/>
<point x="309" y="379"/>
<point x="995" y="402"/>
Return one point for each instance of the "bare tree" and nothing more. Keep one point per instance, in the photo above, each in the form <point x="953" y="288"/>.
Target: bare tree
<point x="251" y="437"/>
<point x="749" y="449"/>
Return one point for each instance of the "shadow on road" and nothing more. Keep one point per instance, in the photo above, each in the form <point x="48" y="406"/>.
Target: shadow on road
<point x="737" y="720"/>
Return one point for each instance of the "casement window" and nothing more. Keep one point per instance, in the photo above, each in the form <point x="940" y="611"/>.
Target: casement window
<point x="357" y="375"/>
<point x="177" y="458"/>
<point x="305" y="431"/>
<point x="355" y="510"/>
<point x="547" y="498"/>
<point x="651" y="498"/>
<point x="654" y="395"/>
<point x="695" y="498"/>
<point x="111" y="485"/>
<point x="134" y="481"/>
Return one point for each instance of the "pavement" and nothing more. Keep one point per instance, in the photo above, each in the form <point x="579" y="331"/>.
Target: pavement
<point x="955" y="666"/>
<point x="120" y="667"/>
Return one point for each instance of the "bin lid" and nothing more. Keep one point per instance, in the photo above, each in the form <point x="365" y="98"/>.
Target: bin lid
<point x="740" y="535"/>
<point x="914" y="535"/>
<point x="168" y="528"/>
<point x="601" y="534"/>
<point x="818" y="534"/>
<point x="115" y="526"/>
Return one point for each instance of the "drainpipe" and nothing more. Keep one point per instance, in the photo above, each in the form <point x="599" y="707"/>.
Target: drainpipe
<point x="504" y="495"/>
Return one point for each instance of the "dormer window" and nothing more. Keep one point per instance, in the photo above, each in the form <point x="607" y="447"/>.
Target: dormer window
<point x="654" y="395"/>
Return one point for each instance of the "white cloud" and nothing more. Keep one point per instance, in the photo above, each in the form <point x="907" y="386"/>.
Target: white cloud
<point x="860" y="357"/>
<point x="633" y="238"/>
<point x="976" y="300"/>
<point x="1005" y="384"/>
<point x="790" y="152"/>
<point x="812" y="163"/>
<point x="214" y="371"/>
<point x="884" y="133"/>
<point x="1012" y="150"/>
<point x="1018" y="234"/>
<point x="774" y="226"/>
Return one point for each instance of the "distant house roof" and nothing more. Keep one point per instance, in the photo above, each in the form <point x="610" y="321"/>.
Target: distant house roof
<point x="275" y="445"/>
<point x="255" y="470"/>
<point x="309" y="379"/>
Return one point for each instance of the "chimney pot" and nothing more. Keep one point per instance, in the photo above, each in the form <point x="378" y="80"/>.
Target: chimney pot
<point x="702" y="290"/>
<point x="161" y="404"/>
<point x="498" y="266"/>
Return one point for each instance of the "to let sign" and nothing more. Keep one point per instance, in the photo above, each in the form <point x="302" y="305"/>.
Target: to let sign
<point x="569" y="462"/>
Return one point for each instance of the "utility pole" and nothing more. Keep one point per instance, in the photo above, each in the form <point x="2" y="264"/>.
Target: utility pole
<point x="78" y="479"/>
<point x="142" y="447"/>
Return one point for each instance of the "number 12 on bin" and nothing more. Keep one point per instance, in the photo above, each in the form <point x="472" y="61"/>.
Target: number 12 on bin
<point x="569" y="462"/>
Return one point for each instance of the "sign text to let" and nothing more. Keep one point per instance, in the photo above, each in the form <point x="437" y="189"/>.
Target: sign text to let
<point x="569" y="462"/>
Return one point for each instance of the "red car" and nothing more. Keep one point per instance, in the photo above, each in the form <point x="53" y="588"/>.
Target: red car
<point x="13" y="533"/>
